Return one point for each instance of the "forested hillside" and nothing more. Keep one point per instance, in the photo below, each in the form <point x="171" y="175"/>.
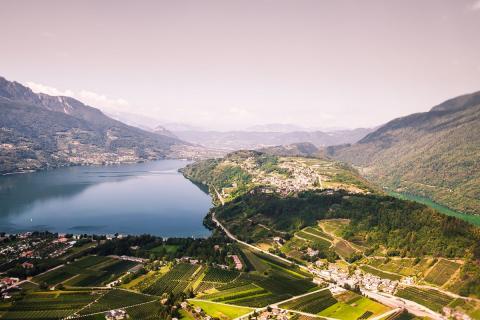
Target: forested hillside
<point x="40" y="131"/>
<point x="435" y="154"/>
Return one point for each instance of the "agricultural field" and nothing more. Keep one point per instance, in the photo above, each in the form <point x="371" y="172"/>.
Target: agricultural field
<point x="379" y="273"/>
<point x="353" y="306"/>
<point x="50" y="305"/>
<point x="402" y="266"/>
<point x="344" y="249"/>
<point x="312" y="303"/>
<point x="333" y="226"/>
<point x="176" y="280"/>
<point x="430" y="298"/>
<point x="441" y="272"/>
<point x="319" y="242"/>
<point x="115" y="299"/>
<point x="91" y="271"/>
<point x="221" y="311"/>
<point x="318" y="232"/>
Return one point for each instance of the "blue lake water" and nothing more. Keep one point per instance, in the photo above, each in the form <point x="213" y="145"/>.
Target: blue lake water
<point x="139" y="198"/>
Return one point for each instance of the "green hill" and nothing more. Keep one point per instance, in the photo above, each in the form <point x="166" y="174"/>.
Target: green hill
<point x="435" y="154"/>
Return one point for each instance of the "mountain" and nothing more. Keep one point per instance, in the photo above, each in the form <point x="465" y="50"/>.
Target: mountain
<point x="236" y="140"/>
<point x="41" y="131"/>
<point x="435" y="154"/>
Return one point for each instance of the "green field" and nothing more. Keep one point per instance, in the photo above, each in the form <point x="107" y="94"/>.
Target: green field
<point x="344" y="249"/>
<point x="312" y="303"/>
<point x="432" y="299"/>
<point x="50" y="305"/>
<point x="381" y="274"/>
<point x="221" y="311"/>
<point x="115" y="299"/>
<point x="402" y="266"/>
<point x="318" y="232"/>
<point x="352" y="306"/>
<point x="442" y="272"/>
<point x="176" y="280"/>
<point x="91" y="271"/>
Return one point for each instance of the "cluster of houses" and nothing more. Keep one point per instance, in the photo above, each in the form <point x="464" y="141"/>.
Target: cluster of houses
<point x="358" y="279"/>
<point x="455" y="314"/>
<point x="238" y="262"/>
<point x="28" y="246"/>
<point x="272" y="313"/>
<point x="117" y="314"/>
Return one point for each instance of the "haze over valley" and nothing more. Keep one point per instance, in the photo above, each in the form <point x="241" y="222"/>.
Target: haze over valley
<point x="240" y="160"/>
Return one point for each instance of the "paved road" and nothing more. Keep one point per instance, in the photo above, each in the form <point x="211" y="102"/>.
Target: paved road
<point x="384" y="298"/>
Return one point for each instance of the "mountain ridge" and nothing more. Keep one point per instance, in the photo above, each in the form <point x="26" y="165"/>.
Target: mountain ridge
<point x="40" y="131"/>
<point x="432" y="154"/>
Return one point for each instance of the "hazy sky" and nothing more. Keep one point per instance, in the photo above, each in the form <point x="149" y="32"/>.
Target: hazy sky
<point x="230" y="64"/>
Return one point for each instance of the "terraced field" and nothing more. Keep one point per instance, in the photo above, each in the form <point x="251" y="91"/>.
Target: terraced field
<point x="404" y="267"/>
<point x="312" y="303"/>
<point x="318" y="232"/>
<point x="318" y="241"/>
<point x="381" y="274"/>
<point x="344" y="249"/>
<point x="432" y="299"/>
<point x="441" y="272"/>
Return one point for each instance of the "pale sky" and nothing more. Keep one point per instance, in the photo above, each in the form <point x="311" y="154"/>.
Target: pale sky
<point x="231" y="64"/>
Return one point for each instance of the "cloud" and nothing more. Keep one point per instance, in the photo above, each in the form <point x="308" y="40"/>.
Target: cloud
<point x="476" y="5"/>
<point x="91" y="98"/>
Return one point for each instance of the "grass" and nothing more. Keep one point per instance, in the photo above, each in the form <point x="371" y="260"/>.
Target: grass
<point x="442" y="272"/>
<point x="221" y="311"/>
<point x="353" y="306"/>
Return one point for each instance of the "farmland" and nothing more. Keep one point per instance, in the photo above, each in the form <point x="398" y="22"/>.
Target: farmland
<point x="379" y="273"/>
<point x="432" y="299"/>
<point x="312" y="303"/>
<point x="221" y="311"/>
<point x="91" y="271"/>
<point x="50" y="305"/>
<point x="353" y="306"/>
<point x="441" y="272"/>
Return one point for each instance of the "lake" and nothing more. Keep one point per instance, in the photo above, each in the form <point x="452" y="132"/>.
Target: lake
<point x="151" y="197"/>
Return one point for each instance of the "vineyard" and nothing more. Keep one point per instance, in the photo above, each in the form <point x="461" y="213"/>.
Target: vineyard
<point x="432" y="299"/>
<point x="312" y="303"/>
<point x="115" y="299"/>
<point x="318" y="232"/>
<point x="379" y="273"/>
<point x="50" y="305"/>
<point x="176" y="280"/>
<point x="442" y="272"/>
<point x="91" y="271"/>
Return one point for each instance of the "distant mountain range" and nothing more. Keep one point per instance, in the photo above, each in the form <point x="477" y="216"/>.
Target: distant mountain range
<point x="434" y="154"/>
<point x="41" y="131"/>
<point x="236" y="140"/>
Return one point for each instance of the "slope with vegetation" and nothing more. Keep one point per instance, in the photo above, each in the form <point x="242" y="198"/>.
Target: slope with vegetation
<point x="41" y="131"/>
<point x="435" y="154"/>
<point x="356" y="220"/>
